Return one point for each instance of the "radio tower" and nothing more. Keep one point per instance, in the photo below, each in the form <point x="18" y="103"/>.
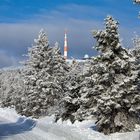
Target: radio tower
<point x="65" y="46"/>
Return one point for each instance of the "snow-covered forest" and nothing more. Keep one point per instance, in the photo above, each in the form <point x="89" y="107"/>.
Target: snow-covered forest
<point x="107" y="90"/>
<point x="103" y="90"/>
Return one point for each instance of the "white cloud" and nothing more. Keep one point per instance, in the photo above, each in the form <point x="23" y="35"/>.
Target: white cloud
<point x="15" y="38"/>
<point x="6" y="60"/>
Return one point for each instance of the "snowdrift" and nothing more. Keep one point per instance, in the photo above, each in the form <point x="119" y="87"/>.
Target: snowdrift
<point x="15" y="127"/>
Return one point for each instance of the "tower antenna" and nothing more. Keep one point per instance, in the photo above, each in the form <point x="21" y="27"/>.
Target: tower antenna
<point x="65" y="46"/>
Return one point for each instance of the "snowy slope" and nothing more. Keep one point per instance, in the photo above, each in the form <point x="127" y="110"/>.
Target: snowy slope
<point x="15" y="127"/>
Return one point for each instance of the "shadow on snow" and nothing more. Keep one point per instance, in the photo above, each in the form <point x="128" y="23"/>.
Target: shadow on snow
<point x="22" y="125"/>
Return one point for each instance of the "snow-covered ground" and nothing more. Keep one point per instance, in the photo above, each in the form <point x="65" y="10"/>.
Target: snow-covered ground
<point x="16" y="127"/>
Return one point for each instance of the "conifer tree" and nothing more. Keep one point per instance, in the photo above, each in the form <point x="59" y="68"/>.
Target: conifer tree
<point x="72" y="86"/>
<point x="136" y="49"/>
<point x="74" y="82"/>
<point x="136" y="1"/>
<point x="43" y="77"/>
<point x="117" y="105"/>
<point x="110" y="90"/>
<point x="12" y="86"/>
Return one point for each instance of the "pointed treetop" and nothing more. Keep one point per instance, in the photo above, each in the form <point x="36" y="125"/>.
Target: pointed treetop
<point x="108" y="39"/>
<point x="136" y="1"/>
<point x="42" y="38"/>
<point x="56" y="44"/>
<point x="111" y="24"/>
<point x="136" y="41"/>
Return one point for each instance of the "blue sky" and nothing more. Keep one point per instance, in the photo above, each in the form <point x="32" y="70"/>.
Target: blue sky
<point x="21" y="20"/>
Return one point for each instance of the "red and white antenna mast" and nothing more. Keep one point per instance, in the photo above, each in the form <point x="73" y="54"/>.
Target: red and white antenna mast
<point x="65" y="46"/>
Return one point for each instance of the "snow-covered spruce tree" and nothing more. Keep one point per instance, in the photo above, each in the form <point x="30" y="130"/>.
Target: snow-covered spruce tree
<point x="44" y="74"/>
<point x="118" y="106"/>
<point x="85" y="100"/>
<point x="11" y="86"/>
<point x="74" y="82"/>
<point x="136" y="1"/>
<point x="136" y="50"/>
<point x="72" y="86"/>
<point x="111" y="88"/>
